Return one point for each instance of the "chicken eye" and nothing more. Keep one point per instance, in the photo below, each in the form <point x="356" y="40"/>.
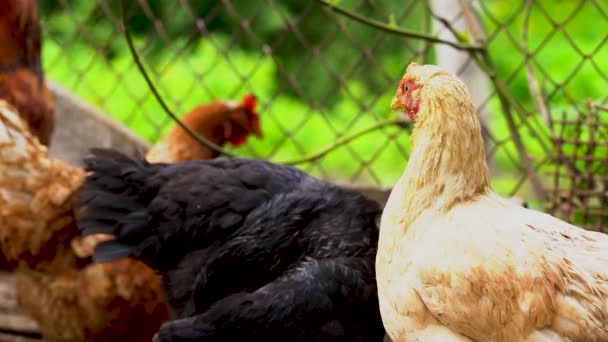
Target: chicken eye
<point x="405" y="88"/>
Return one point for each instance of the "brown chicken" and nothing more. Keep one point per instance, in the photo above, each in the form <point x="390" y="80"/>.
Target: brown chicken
<point x="37" y="221"/>
<point x="21" y="77"/>
<point x="71" y="299"/>
<point x="218" y="121"/>
<point x="457" y="262"/>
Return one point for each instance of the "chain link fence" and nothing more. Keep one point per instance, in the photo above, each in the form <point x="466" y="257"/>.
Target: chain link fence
<point x="320" y="75"/>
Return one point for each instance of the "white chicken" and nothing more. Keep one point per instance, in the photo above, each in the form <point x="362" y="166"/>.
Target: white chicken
<point x="457" y="262"/>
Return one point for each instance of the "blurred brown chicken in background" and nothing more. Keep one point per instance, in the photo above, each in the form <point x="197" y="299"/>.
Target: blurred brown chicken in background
<point x="218" y="121"/>
<point x="21" y="76"/>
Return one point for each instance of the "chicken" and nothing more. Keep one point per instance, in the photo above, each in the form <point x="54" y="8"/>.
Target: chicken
<point x="218" y="121"/>
<point x="457" y="262"/>
<point x="21" y="77"/>
<point x="37" y="226"/>
<point x="247" y="249"/>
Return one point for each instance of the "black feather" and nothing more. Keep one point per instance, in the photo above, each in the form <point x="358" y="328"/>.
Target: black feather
<point x="110" y="251"/>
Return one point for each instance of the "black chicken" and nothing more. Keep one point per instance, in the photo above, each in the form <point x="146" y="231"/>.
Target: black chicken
<point x="246" y="248"/>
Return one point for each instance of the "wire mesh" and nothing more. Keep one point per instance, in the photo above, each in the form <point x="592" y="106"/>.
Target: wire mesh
<point x="580" y="191"/>
<point x="319" y="75"/>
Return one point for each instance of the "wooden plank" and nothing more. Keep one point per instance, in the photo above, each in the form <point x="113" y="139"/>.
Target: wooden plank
<point x="14" y="338"/>
<point x="79" y="127"/>
<point x="13" y="322"/>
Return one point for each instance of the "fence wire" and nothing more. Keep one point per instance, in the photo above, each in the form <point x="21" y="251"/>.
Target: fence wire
<point x="319" y="75"/>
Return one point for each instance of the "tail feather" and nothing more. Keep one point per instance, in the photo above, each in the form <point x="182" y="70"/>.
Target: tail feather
<point x="107" y="221"/>
<point x="110" y="251"/>
<point x="114" y="200"/>
<point x="92" y="194"/>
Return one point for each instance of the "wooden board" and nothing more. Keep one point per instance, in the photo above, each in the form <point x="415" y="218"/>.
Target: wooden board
<point x="14" y="325"/>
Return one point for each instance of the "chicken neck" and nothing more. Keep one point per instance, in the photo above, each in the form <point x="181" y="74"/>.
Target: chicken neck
<point x="447" y="165"/>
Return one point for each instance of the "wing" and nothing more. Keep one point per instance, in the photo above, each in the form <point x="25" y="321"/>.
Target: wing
<point x="523" y="271"/>
<point x="218" y="194"/>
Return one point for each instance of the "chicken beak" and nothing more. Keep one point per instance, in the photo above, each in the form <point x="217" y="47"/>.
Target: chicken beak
<point x="396" y="103"/>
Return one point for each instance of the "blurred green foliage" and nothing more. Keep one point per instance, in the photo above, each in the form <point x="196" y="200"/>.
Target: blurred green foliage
<point x="317" y="75"/>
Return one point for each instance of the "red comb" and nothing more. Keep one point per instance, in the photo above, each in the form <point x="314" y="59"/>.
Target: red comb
<point x="249" y="101"/>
